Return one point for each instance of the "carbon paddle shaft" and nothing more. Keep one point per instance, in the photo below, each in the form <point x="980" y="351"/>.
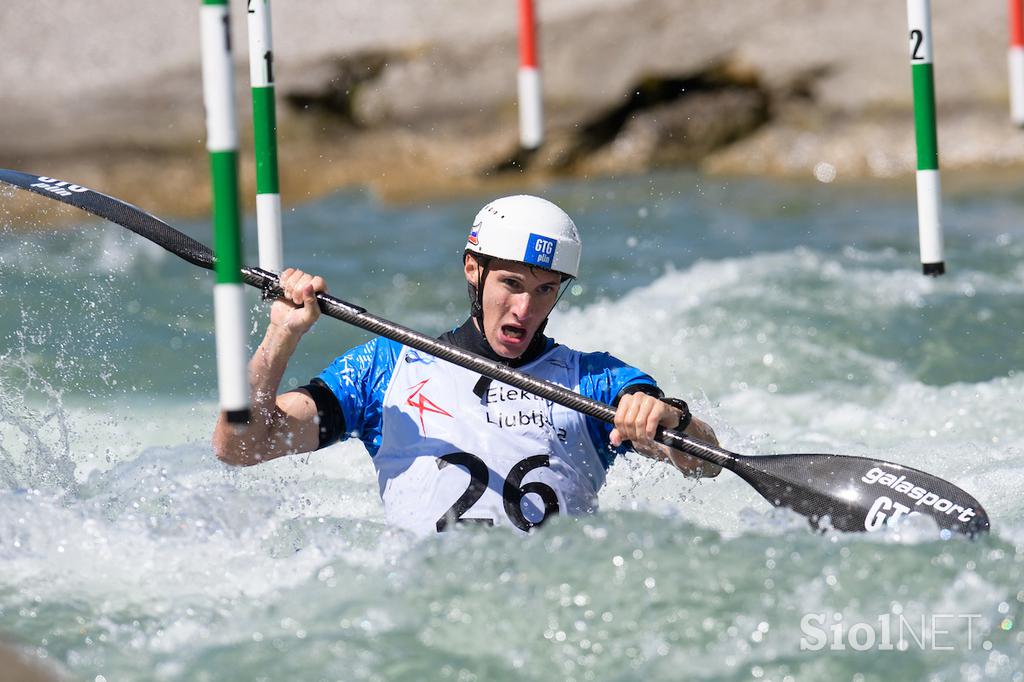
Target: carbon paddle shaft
<point x="832" y="491"/>
<point x="359" y="317"/>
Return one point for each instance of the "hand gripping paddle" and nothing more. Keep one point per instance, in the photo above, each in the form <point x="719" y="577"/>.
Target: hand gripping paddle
<point x="832" y="491"/>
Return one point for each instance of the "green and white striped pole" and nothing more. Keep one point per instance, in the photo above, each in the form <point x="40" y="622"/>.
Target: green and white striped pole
<point x="264" y="129"/>
<point x="222" y="143"/>
<point x="929" y="207"/>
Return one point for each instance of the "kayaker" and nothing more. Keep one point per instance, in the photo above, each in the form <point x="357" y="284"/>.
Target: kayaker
<point x="449" y="446"/>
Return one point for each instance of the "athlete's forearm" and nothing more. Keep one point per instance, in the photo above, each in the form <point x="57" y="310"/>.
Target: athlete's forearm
<point x="268" y="365"/>
<point x="267" y="435"/>
<point x="687" y="464"/>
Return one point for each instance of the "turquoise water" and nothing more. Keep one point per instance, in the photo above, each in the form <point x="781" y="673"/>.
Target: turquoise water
<point x="793" y="317"/>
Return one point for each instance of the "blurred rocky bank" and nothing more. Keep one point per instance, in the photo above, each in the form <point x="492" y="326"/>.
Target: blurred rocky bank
<point x="418" y="99"/>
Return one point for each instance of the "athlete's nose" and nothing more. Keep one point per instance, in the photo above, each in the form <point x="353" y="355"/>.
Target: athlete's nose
<point x="523" y="305"/>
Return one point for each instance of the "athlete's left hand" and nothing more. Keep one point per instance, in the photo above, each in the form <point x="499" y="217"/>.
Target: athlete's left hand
<point x="637" y="419"/>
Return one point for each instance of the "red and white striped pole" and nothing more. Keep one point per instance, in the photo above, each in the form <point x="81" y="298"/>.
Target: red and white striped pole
<point x="531" y="106"/>
<point x="1015" y="60"/>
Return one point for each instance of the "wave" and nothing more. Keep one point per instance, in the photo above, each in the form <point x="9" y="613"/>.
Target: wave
<point x="792" y="320"/>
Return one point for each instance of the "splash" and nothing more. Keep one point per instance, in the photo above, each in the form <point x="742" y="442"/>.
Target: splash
<point x="35" y="433"/>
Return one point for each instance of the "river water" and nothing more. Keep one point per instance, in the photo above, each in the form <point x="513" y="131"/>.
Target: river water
<point x="793" y="317"/>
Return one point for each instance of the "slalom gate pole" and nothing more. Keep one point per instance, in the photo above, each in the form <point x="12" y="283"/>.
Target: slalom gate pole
<point x="264" y="130"/>
<point x="929" y="206"/>
<point x="222" y="144"/>
<point x="531" y="104"/>
<point x="1015" y="61"/>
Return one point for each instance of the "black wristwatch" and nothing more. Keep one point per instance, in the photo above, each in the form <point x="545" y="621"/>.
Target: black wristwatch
<point x="680" y="404"/>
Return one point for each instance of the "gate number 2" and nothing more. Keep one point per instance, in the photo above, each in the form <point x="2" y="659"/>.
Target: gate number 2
<point x="918" y="37"/>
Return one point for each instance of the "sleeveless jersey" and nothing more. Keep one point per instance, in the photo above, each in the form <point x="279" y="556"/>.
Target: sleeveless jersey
<point x="446" y="456"/>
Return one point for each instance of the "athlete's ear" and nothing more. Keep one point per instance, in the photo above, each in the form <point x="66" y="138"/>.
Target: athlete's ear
<point x="472" y="268"/>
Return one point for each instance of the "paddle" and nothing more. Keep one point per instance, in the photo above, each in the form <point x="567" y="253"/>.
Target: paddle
<point x="833" y="491"/>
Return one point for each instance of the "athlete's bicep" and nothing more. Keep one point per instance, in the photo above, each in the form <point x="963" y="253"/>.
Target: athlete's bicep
<point x="300" y="423"/>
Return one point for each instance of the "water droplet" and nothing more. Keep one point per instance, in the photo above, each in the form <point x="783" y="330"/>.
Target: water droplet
<point x="824" y="172"/>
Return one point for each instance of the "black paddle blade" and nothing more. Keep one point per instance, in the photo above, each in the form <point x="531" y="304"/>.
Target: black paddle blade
<point x="858" y="493"/>
<point x="116" y="211"/>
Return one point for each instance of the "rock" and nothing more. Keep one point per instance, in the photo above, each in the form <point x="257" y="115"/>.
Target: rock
<point x="670" y="122"/>
<point x="340" y="87"/>
<point x="879" y="145"/>
<point x="416" y="99"/>
<point x="681" y="133"/>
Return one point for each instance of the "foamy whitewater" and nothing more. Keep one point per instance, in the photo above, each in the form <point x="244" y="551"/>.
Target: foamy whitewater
<point x="792" y="317"/>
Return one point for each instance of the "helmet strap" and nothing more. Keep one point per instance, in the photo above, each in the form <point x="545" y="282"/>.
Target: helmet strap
<point x="476" y="293"/>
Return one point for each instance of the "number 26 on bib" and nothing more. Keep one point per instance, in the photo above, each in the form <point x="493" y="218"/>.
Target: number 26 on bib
<point x="513" y="491"/>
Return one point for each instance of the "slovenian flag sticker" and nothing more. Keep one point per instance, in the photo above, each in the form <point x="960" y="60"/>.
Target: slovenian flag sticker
<point x="473" y="239"/>
<point x="540" y="250"/>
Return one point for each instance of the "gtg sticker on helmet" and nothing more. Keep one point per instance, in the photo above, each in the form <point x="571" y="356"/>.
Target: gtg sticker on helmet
<point x="540" y="250"/>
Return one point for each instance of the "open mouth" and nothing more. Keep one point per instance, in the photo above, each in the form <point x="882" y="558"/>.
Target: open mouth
<point x="513" y="332"/>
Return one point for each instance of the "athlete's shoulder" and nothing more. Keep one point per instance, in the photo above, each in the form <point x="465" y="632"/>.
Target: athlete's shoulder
<point x="603" y="376"/>
<point x="600" y="361"/>
<point x="359" y="378"/>
<point x="375" y="357"/>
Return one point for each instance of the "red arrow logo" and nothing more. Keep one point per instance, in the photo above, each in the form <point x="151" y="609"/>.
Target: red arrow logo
<point x="423" y="403"/>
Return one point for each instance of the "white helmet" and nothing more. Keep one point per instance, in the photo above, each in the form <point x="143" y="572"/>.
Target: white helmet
<point x="527" y="229"/>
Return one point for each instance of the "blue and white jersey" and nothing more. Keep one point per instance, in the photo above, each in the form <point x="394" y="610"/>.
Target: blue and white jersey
<point x="445" y="455"/>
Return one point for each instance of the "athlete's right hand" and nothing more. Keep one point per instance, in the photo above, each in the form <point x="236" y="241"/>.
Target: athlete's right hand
<point x="296" y="311"/>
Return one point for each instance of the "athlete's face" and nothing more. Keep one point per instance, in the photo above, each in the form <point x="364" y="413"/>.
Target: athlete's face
<point x="517" y="299"/>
